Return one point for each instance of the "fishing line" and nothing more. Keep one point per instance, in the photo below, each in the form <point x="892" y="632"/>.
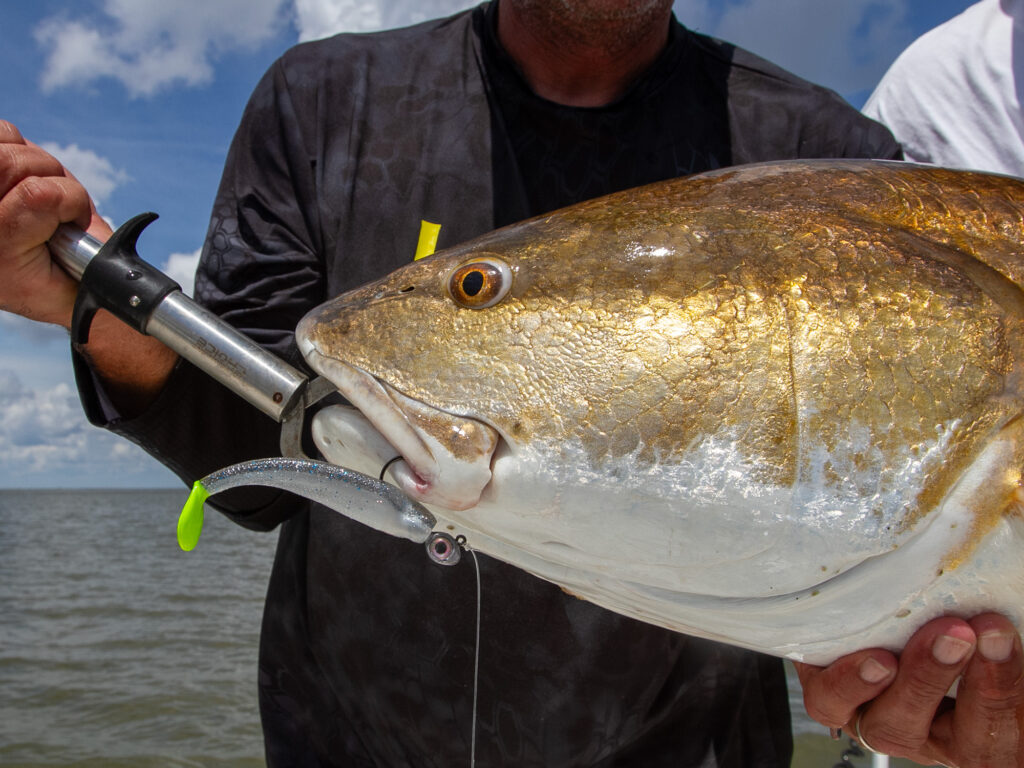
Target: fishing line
<point x="476" y="662"/>
<point x="460" y="541"/>
<point x="385" y="467"/>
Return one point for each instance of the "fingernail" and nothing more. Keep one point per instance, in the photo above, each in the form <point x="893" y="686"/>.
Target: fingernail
<point x="872" y="671"/>
<point x="995" y="645"/>
<point x="950" y="650"/>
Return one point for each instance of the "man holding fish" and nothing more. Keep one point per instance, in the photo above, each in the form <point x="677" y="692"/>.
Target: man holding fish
<point x="510" y="110"/>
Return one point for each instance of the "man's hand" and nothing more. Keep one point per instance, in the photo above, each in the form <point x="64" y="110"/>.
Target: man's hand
<point x="901" y="708"/>
<point x="37" y="195"/>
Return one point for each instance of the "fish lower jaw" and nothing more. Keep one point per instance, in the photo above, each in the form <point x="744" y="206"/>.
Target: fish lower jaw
<point x="348" y="438"/>
<point x="423" y="490"/>
<point x="446" y="458"/>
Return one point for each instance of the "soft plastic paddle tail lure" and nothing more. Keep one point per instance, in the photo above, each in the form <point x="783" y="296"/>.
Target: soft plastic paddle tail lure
<point x="357" y="496"/>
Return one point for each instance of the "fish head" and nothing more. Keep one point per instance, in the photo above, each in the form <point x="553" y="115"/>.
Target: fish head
<point x="485" y="349"/>
<point x="415" y="353"/>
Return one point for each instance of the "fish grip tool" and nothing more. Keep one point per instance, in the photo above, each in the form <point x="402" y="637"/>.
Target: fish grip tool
<point x="112" y="276"/>
<point x="118" y="280"/>
<point x="115" y="278"/>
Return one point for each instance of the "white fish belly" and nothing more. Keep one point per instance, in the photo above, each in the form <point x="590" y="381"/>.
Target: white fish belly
<point x="756" y="567"/>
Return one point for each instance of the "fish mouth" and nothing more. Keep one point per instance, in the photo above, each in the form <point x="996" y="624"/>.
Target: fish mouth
<point x="445" y="458"/>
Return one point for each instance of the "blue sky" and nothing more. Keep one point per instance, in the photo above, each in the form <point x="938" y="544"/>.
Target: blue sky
<point x="140" y="98"/>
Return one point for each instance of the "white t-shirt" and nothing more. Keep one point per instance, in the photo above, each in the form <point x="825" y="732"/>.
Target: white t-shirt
<point x="953" y="98"/>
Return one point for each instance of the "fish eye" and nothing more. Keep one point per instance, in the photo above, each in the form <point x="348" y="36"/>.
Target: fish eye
<point x="480" y="283"/>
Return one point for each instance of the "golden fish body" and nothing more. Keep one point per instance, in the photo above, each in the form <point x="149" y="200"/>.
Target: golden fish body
<point x="776" y="405"/>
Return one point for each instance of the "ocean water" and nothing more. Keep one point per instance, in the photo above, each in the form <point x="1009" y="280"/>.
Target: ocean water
<point x="118" y="649"/>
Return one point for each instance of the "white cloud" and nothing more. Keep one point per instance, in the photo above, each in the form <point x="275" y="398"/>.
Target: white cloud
<point x="148" y="45"/>
<point x="843" y="44"/>
<point x="97" y="174"/>
<point x="181" y="267"/>
<point x="323" y="18"/>
<point x="44" y="436"/>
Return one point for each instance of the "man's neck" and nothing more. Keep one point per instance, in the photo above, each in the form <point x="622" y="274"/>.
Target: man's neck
<point x="575" y="55"/>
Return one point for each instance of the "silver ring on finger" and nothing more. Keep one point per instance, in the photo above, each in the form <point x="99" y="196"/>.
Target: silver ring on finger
<point x="860" y="736"/>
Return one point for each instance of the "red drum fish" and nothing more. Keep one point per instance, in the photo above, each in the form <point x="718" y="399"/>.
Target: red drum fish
<point x="777" y="405"/>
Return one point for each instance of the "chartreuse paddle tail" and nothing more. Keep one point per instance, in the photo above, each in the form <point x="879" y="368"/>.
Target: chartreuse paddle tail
<point x="355" y="495"/>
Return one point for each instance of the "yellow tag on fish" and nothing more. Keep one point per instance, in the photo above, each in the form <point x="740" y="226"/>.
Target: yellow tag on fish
<point x="428" y="239"/>
<point x="190" y="521"/>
